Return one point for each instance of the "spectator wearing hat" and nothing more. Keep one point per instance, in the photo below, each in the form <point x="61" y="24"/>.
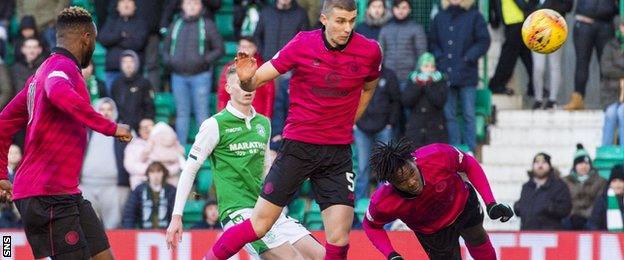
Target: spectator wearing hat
<point x="545" y="198"/>
<point x="608" y="212"/>
<point x="27" y="29"/>
<point x="210" y="219"/>
<point x="585" y="186"/>
<point x="376" y="17"/>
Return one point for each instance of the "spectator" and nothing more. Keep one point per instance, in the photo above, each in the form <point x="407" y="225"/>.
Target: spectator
<point x="376" y="125"/>
<point x="210" y="219"/>
<point x="136" y="154"/>
<point x="9" y="217"/>
<point x="104" y="181"/>
<point x="164" y="147"/>
<point x="13" y="161"/>
<point x="545" y="198"/>
<point x="585" y="186"/>
<point x="554" y="61"/>
<point x="402" y="41"/>
<point x="376" y="17"/>
<point x="459" y="37"/>
<point x="123" y="32"/>
<point x="278" y="24"/>
<point x="132" y="93"/>
<point x="45" y="11"/>
<point x="192" y="47"/>
<point x="6" y="87"/>
<point x="593" y="28"/>
<point x="97" y="88"/>
<point x="313" y="9"/>
<point x="150" y="205"/>
<point x="174" y="7"/>
<point x="263" y="101"/>
<point x="246" y="16"/>
<point x="28" y="29"/>
<point x="22" y="70"/>
<point x="608" y="211"/>
<point x="513" y="14"/>
<point x="612" y="91"/>
<point x="425" y="96"/>
<point x="7" y="8"/>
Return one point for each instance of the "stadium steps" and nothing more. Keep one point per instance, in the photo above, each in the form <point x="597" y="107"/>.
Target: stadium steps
<point x="520" y="134"/>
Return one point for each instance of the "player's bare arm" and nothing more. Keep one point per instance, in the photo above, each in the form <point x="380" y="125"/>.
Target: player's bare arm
<point x="367" y="95"/>
<point x="251" y="77"/>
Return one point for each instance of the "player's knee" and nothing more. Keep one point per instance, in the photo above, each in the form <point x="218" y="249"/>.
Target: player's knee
<point x="261" y="226"/>
<point x="338" y="237"/>
<point x="475" y="236"/>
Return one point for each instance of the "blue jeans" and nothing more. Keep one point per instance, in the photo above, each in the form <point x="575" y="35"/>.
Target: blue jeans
<point x="190" y="92"/>
<point x="111" y="76"/>
<point x="364" y="143"/>
<point x="467" y="96"/>
<point x="614" y="118"/>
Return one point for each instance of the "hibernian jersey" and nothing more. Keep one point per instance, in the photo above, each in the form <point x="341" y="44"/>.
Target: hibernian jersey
<point x="236" y="145"/>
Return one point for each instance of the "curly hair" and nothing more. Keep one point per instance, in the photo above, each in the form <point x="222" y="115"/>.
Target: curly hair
<point x="73" y="17"/>
<point x="387" y="159"/>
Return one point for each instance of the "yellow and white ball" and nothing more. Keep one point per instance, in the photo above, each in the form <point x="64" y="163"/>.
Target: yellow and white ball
<point x="544" y="31"/>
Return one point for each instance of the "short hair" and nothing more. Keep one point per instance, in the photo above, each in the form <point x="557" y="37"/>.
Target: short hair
<point x="347" y="5"/>
<point x="388" y="158"/>
<point x="396" y="3"/>
<point x="247" y="38"/>
<point x="72" y="18"/>
<point x="157" y="166"/>
<point x="370" y="2"/>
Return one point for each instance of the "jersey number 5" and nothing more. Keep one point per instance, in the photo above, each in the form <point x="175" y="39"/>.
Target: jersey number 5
<point x="350" y="176"/>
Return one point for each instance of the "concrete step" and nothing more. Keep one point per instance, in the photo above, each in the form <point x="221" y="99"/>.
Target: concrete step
<point x="522" y="155"/>
<point x="558" y="119"/>
<point x="505" y="102"/>
<point x="507" y="136"/>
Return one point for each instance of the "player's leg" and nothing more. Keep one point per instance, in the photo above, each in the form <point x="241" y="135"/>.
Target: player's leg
<point x="285" y="251"/>
<point x="310" y="248"/>
<point x="299" y="237"/>
<point x="470" y="223"/>
<point x="93" y="229"/>
<point x="443" y="244"/>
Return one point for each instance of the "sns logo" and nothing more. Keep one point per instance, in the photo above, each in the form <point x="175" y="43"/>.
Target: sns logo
<point x="6" y="246"/>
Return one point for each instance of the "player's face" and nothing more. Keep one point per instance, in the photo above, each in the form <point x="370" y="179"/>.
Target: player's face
<point x="401" y="11"/>
<point x="88" y="45"/>
<point x="540" y="167"/>
<point x="582" y="168"/>
<point x="376" y="10"/>
<point x="622" y="28"/>
<point x="191" y="8"/>
<point x="408" y="179"/>
<point x="237" y="94"/>
<point x="247" y="47"/>
<point x="338" y="24"/>
<point x="15" y="154"/>
<point x="618" y="186"/>
<point x="128" y="66"/>
<point x="145" y="128"/>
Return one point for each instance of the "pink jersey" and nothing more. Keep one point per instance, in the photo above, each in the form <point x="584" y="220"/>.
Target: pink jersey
<point x="54" y="107"/>
<point x="326" y="85"/>
<point x="443" y="196"/>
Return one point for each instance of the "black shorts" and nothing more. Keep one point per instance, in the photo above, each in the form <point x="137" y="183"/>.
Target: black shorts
<point x="60" y="224"/>
<point x="444" y="244"/>
<point x="329" y="167"/>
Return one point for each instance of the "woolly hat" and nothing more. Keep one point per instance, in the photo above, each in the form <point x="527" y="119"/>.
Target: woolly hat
<point x="426" y="58"/>
<point x="617" y="172"/>
<point x="544" y="156"/>
<point x="581" y="155"/>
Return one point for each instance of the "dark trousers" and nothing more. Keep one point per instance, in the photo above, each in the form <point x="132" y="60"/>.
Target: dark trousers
<point x="513" y="47"/>
<point x="587" y="37"/>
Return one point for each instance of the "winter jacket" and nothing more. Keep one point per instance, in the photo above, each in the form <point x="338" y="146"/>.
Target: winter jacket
<point x="136" y="161"/>
<point x="584" y="194"/>
<point x="561" y="6"/>
<point x="277" y="27"/>
<point x="265" y="94"/>
<point x="598" y="218"/>
<point x="173" y="7"/>
<point x="120" y="34"/>
<point x="370" y="28"/>
<point x="543" y="208"/>
<point x="385" y="106"/>
<point x="149" y="11"/>
<point x="612" y="70"/>
<point x="458" y="38"/>
<point x="135" y="99"/>
<point x="44" y="11"/>
<point x="21" y="71"/>
<point x="133" y="211"/>
<point x="7" y="8"/>
<point x="425" y="100"/>
<point x="186" y="58"/>
<point x="6" y="89"/>
<point x="604" y="10"/>
<point x="166" y="150"/>
<point x="28" y="22"/>
<point x="402" y="42"/>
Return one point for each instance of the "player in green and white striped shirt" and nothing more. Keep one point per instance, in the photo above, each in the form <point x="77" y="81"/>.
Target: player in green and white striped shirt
<point x="236" y="142"/>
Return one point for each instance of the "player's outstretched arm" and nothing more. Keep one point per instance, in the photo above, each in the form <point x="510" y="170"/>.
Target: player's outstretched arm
<point x="367" y="95"/>
<point x="378" y="236"/>
<point x="205" y="141"/>
<point x="250" y="76"/>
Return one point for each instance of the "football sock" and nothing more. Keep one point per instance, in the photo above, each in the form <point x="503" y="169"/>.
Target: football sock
<point x="333" y="252"/>
<point x="484" y="251"/>
<point x="233" y="240"/>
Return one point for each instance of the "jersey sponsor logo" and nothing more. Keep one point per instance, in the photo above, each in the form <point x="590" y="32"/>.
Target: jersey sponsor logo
<point x="440" y="186"/>
<point x="261" y="131"/>
<point x="247" y="145"/>
<point x="333" y="79"/>
<point x="233" y="130"/>
<point x="58" y="73"/>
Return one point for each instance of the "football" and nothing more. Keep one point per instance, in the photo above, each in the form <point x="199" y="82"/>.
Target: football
<point x="544" y="31"/>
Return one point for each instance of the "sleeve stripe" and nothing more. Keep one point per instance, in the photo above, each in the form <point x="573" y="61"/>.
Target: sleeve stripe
<point x="58" y="73"/>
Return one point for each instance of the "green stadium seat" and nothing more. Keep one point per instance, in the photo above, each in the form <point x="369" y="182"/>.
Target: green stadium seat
<point x="204" y="180"/>
<point x="602" y="164"/>
<point x="604" y="173"/>
<point x="225" y="25"/>
<point x="463" y="147"/>
<point x="480" y="121"/>
<point x="484" y="102"/>
<point x="361" y="206"/>
<point x="610" y="152"/>
<point x="99" y="61"/>
<point x="164" y="104"/>
<point x="313" y="219"/>
<point x="296" y="209"/>
<point x="193" y="212"/>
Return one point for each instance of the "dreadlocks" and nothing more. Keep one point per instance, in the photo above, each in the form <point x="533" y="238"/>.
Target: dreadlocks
<point x="387" y="159"/>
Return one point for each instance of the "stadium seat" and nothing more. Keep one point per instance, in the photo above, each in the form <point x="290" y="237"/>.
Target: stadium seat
<point x="99" y="61"/>
<point x="225" y="25"/>
<point x="296" y="209"/>
<point x="313" y="219"/>
<point x="361" y="206"/>
<point x="204" y="180"/>
<point x="610" y="152"/>
<point x="193" y="212"/>
<point x="164" y="104"/>
<point x="484" y="102"/>
<point x="463" y="147"/>
<point x="481" y="125"/>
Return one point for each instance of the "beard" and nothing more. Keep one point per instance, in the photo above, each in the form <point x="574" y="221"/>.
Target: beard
<point x="86" y="59"/>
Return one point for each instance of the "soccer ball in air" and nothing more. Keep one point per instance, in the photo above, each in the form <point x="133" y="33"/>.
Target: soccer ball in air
<point x="544" y="31"/>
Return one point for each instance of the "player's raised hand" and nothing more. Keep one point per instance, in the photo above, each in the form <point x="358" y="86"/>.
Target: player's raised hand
<point x="497" y="210"/>
<point x="6" y="191"/>
<point x="245" y="65"/>
<point x="123" y="133"/>
<point x="174" y="232"/>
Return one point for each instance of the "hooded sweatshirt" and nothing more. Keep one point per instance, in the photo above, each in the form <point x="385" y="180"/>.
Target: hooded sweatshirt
<point x="134" y="95"/>
<point x="100" y="164"/>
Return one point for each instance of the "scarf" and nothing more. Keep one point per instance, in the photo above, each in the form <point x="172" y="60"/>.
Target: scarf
<point x="614" y="214"/>
<point x="150" y="209"/>
<point x="94" y="91"/>
<point x="201" y="24"/>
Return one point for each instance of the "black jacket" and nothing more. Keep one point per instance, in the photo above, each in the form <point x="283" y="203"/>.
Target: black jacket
<point x="277" y="27"/>
<point x="604" y="10"/>
<point x="543" y="208"/>
<point x="173" y="7"/>
<point x="21" y="71"/>
<point x="598" y="218"/>
<point x="385" y="106"/>
<point x="134" y="99"/>
<point x="561" y="6"/>
<point x="118" y="35"/>
<point x="426" y="124"/>
<point x="7" y="9"/>
<point x="133" y="210"/>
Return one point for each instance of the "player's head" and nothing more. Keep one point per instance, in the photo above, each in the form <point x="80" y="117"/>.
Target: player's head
<point x="393" y="162"/>
<point x="401" y="9"/>
<point x="31" y="49"/>
<point x="76" y="32"/>
<point x="192" y="8"/>
<point x="283" y="4"/>
<point x="237" y="94"/>
<point x="247" y="45"/>
<point x="338" y="17"/>
<point x="156" y="173"/>
<point x="376" y="9"/>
